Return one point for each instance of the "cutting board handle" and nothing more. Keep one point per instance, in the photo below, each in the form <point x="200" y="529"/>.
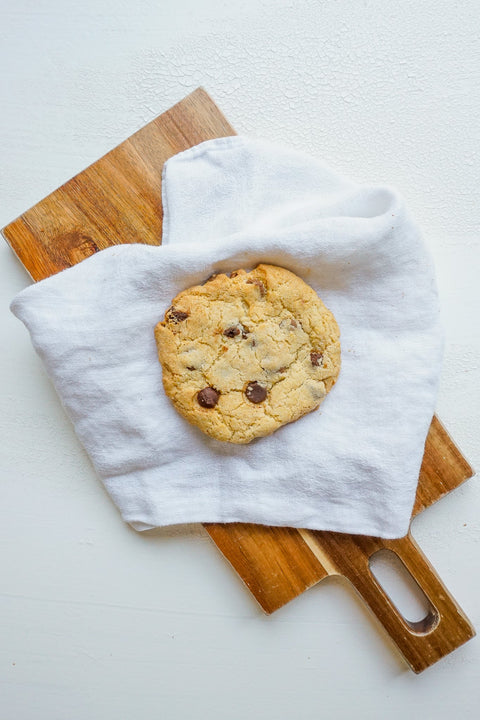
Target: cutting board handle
<point x="444" y="628"/>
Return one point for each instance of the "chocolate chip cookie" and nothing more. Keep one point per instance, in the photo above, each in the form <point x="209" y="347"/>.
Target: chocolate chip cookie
<point x="248" y="352"/>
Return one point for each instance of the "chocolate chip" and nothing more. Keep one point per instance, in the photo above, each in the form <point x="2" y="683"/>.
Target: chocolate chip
<point x="190" y="367"/>
<point x="289" y="325"/>
<point x="244" y="332"/>
<point x="210" y="278"/>
<point x="176" y="316"/>
<point x="282" y="369"/>
<point x="259" y="284"/>
<point x="234" y="274"/>
<point x="208" y="397"/>
<point x="231" y="332"/>
<point x="316" y="358"/>
<point x="255" y="392"/>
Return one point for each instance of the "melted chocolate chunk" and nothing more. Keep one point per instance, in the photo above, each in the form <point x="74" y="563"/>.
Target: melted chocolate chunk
<point x="316" y="358"/>
<point x="235" y="330"/>
<point x="231" y="332"/>
<point x="208" y="397"/>
<point x="234" y="274"/>
<point x="255" y="392"/>
<point x="176" y="316"/>
<point x="259" y="284"/>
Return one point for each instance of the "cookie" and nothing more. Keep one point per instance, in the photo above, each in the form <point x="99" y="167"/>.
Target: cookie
<point x="248" y="352"/>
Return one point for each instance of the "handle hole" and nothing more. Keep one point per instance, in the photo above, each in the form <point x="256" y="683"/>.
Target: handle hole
<point x="403" y="590"/>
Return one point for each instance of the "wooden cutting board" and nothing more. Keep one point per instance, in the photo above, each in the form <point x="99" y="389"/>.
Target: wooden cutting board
<point x="118" y="200"/>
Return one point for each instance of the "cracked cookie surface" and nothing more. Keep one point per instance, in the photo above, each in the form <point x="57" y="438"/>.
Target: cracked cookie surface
<point x="248" y="352"/>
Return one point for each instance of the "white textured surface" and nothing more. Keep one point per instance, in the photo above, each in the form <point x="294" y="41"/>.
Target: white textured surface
<point x="95" y="620"/>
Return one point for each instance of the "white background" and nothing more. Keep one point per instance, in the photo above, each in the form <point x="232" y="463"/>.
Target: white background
<point x="97" y="621"/>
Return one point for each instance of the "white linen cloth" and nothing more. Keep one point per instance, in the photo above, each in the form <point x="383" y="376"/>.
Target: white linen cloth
<point x="353" y="465"/>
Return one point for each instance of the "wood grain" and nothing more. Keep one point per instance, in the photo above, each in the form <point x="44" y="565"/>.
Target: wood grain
<point x="118" y="200"/>
<point x="443" y="469"/>
<point x="422" y="643"/>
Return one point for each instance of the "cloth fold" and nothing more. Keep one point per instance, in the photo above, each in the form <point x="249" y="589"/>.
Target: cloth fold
<point x="353" y="465"/>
